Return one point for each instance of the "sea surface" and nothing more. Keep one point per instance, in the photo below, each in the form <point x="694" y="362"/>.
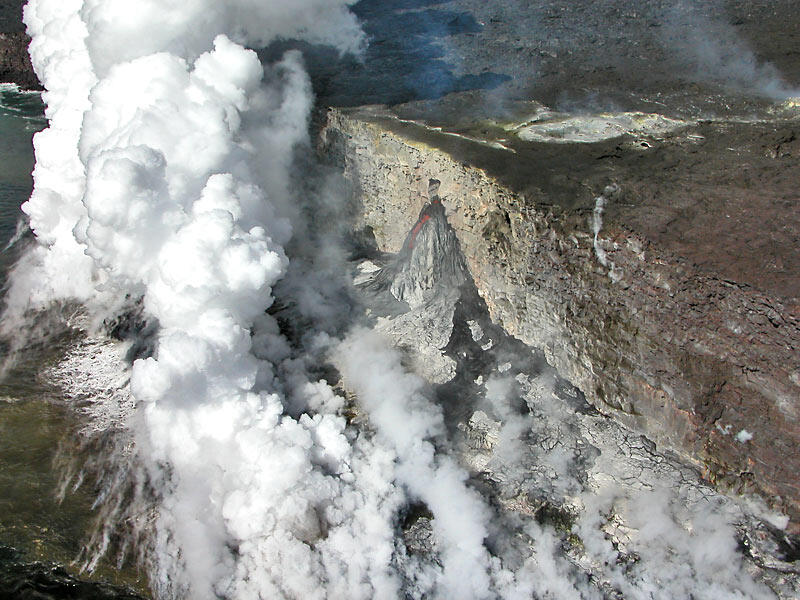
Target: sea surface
<point x="37" y="427"/>
<point x="21" y="116"/>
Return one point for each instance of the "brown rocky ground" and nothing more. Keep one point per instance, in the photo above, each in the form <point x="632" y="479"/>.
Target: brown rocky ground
<point x="720" y="193"/>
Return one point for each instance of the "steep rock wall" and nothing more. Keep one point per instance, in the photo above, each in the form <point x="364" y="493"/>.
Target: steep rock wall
<point x="695" y="360"/>
<point x="15" y="64"/>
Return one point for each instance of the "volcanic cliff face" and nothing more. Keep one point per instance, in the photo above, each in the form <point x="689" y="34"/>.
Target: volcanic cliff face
<point x="657" y="274"/>
<point x="15" y="64"/>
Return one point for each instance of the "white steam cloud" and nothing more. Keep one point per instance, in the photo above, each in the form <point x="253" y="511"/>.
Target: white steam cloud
<point x="410" y="424"/>
<point x="164" y="180"/>
<point x="164" y="176"/>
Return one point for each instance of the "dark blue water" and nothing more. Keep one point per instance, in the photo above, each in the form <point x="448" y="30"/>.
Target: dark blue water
<point x="21" y="116"/>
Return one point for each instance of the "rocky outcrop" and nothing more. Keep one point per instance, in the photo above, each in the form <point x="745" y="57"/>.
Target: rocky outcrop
<point x="15" y="64"/>
<point x="657" y="273"/>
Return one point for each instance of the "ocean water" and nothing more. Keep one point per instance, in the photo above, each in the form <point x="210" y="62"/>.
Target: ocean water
<point x="21" y="116"/>
<point x="36" y="425"/>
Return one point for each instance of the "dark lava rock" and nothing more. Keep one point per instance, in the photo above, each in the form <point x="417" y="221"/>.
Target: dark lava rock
<point x="15" y="64"/>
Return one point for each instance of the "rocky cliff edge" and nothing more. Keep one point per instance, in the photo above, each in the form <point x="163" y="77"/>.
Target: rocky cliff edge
<point x="653" y="260"/>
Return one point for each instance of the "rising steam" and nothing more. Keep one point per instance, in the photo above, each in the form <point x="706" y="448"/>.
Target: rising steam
<point x="164" y="178"/>
<point x="714" y="51"/>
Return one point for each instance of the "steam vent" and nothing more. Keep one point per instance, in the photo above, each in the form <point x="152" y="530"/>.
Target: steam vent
<point x="409" y="299"/>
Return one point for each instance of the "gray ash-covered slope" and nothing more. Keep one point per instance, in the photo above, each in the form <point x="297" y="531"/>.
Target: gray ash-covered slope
<point x="564" y="481"/>
<point x="424" y="297"/>
<point x="416" y="290"/>
<point x="430" y="263"/>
